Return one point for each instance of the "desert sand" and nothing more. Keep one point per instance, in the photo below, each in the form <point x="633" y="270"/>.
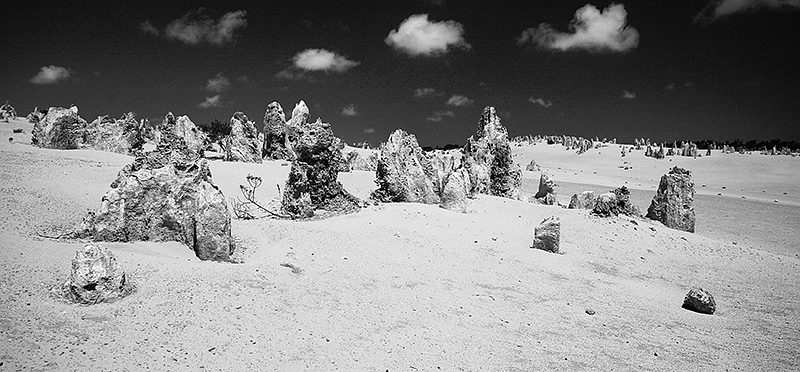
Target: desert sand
<point x="413" y="287"/>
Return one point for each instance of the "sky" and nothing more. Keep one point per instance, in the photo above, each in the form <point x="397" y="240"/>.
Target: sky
<point x="665" y="70"/>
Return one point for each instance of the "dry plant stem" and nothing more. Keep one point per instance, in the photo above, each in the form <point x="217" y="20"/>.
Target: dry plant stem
<point x="249" y="194"/>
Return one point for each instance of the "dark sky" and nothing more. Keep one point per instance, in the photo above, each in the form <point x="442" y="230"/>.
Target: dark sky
<point x="660" y="69"/>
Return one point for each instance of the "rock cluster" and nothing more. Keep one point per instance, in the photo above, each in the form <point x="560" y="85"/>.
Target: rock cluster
<point x="614" y="203"/>
<point x="312" y="185"/>
<point x="584" y="200"/>
<point x="673" y="204"/>
<point x="95" y="277"/>
<point x="700" y="300"/>
<point x="244" y="143"/>
<point x="165" y="195"/>
<point x="547" y="235"/>
<point x="60" y="129"/>
<point x="405" y="173"/>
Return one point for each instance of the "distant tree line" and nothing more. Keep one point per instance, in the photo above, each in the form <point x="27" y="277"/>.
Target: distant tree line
<point x="216" y="129"/>
<point x="751" y="145"/>
<point x="444" y="148"/>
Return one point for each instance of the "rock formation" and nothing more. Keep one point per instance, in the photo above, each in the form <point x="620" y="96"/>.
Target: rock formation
<point x="7" y="112"/>
<point x="244" y="143"/>
<point x="673" y="204"/>
<point x="165" y="195"/>
<point x="456" y="191"/>
<point x="547" y="190"/>
<point x="95" y="277"/>
<point x="124" y="136"/>
<point x="487" y="159"/>
<point x="547" y="235"/>
<point x="60" y="129"/>
<point x="312" y="184"/>
<point x="700" y="300"/>
<point x="279" y="134"/>
<point x="532" y="166"/>
<point x="404" y="172"/>
<point x="614" y="203"/>
<point x="182" y="129"/>
<point x="36" y="116"/>
<point x="584" y="200"/>
<point x="358" y="162"/>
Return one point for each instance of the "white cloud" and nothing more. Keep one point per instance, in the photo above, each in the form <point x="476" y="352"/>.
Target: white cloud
<point x="592" y="30"/>
<point x="369" y="130"/>
<point x="628" y="95"/>
<point x="458" y="101"/>
<point x="215" y="101"/>
<point x="350" y="110"/>
<point x="440" y="115"/>
<point x="218" y="84"/>
<point x="426" y="92"/>
<point x="148" y="28"/>
<point x="417" y="36"/>
<point x="720" y="8"/>
<point x="195" y="27"/>
<point x="541" y="102"/>
<point x="50" y="75"/>
<point x="322" y="60"/>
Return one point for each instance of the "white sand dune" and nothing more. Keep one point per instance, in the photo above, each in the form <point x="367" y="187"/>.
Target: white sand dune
<point x="403" y="286"/>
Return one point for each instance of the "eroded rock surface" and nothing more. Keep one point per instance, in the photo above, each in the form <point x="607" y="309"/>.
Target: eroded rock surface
<point x="60" y="129"/>
<point x="487" y="159"/>
<point x="244" y="143"/>
<point x="95" y="277"/>
<point x="614" y="203"/>
<point x="547" y="235"/>
<point x="584" y="200"/>
<point x="122" y="136"/>
<point x="673" y="204"/>
<point x="700" y="300"/>
<point x="404" y="172"/>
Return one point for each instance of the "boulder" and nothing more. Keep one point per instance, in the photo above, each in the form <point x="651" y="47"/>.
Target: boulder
<point x="584" y="200"/>
<point x="244" y="143"/>
<point x="455" y="191"/>
<point x="312" y="184"/>
<point x="614" y="203"/>
<point x="547" y="235"/>
<point x="546" y="186"/>
<point x="700" y="300"/>
<point x="60" y="129"/>
<point x="673" y="204"/>
<point x="487" y="158"/>
<point x="125" y="136"/>
<point x="165" y="196"/>
<point x="95" y="277"/>
<point x="404" y="172"/>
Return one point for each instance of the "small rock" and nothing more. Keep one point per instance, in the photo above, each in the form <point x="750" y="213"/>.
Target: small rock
<point x="590" y="311"/>
<point x="95" y="277"/>
<point x="547" y="235"/>
<point x="700" y="300"/>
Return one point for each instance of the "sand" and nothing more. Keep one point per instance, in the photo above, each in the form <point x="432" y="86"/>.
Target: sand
<point x="411" y="287"/>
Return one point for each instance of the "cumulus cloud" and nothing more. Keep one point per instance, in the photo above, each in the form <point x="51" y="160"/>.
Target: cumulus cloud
<point x="541" y="102"/>
<point x="592" y="30"/>
<point x="417" y="36"/>
<point x="628" y="95"/>
<point x="215" y="101"/>
<point x="218" y="84"/>
<point x="195" y="28"/>
<point x="322" y="60"/>
<point x="148" y="28"/>
<point x="721" y="8"/>
<point x="458" y="101"/>
<point x="50" y="75"/>
<point x="350" y="110"/>
<point x="440" y="115"/>
<point x="426" y="93"/>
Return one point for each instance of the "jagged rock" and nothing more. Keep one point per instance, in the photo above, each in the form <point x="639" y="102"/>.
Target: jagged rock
<point x="584" y="200"/>
<point x="532" y="166"/>
<point x="312" y="184"/>
<point x="456" y="191"/>
<point x="358" y="162"/>
<point x="181" y="133"/>
<point x="700" y="300"/>
<point x="487" y="158"/>
<point x="60" y="129"/>
<point x="243" y="144"/>
<point x="615" y="203"/>
<point x="404" y="172"/>
<point x="95" y="277"/>
<point x="547" y="235"/>
<point x="673" y="204"/>
<point x="7" y="112"/>
<point x="124" y="136"/>
<point x="276" y="141"/>
<point x="546" y="186"/>
<point x="165" y="196"/>
<point x="36" y="116"/>
<point x="339" y="161"/>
